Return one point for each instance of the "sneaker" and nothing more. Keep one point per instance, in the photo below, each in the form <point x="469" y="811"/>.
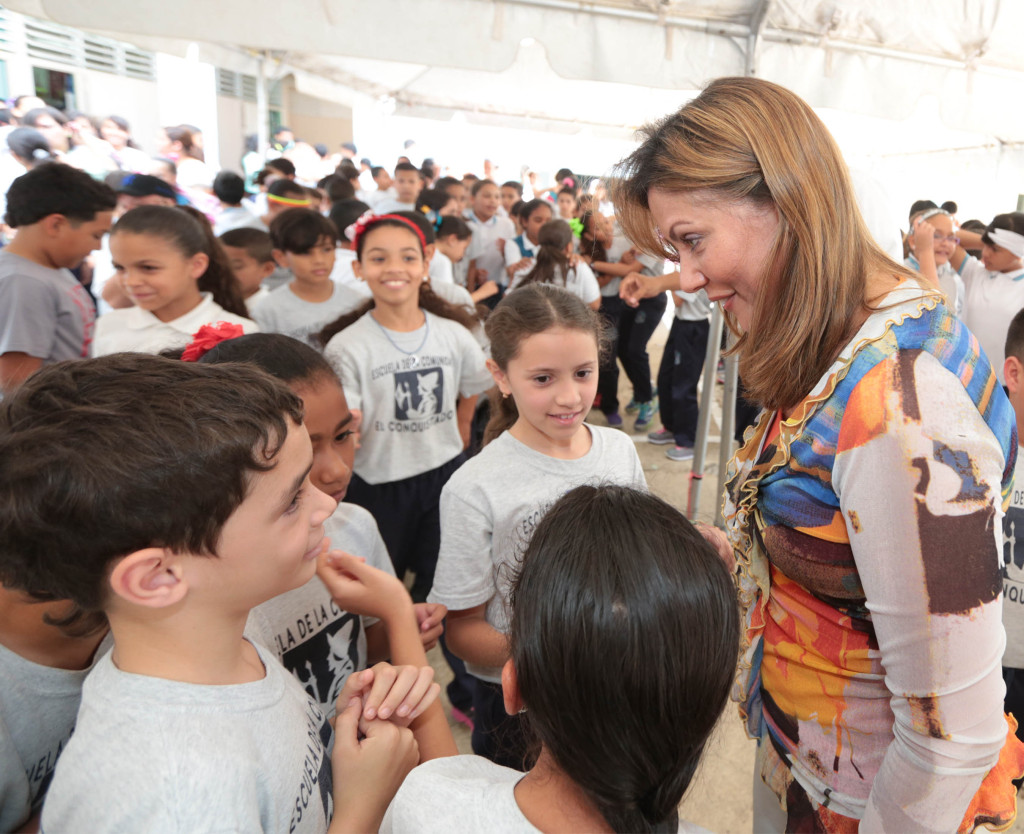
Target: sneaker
<point x="461" y="717"/>
<point x="645" y="414"/>
<point x="661" y="437"/>
<point x="633" y="407"/>
<point x="614" y="420"/>
<point x="680" y="453"/>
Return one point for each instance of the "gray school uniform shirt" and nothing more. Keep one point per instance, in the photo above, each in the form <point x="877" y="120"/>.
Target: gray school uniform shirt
<point x="491" y="506"/>
<point x="282" y="311"/>
<point x="44" y="312"/>
<point x="158" y="755"/>
<point x="320" y="643"/>
<point x="38" y="705"/>
<point x="463" y="794"/>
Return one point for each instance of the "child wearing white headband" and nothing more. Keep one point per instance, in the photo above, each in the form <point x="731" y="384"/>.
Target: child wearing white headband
<point x="994" y="285"/>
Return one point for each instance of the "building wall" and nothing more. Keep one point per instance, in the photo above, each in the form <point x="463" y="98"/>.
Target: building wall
<point x="316" y="120"/>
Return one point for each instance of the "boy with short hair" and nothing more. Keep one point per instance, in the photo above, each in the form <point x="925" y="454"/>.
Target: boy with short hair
<point x="408" y="185"/>
<point x="173" y="498"/>
<point x="304" y="243"/>
<point x="251" y="256"/>
<point x="61" y="215"/>
<point x="229" y="188"/>
<point x="344" y="215"/>
<point x="486" y="254"/>
<point x="1013" y="536"/>
<point x="511" y="193"/>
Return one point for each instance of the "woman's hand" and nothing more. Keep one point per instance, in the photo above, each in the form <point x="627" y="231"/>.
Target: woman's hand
<point x="717" y="539"/>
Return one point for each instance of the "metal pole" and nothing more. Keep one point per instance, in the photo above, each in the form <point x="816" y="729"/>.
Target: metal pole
<point x="732" y="373"/>
<point x="704" y="418"/>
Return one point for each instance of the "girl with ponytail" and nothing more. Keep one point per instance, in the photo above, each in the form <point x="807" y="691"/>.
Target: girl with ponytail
<point x="623" y="639"/>
<point x="557" y="264"/>
<point x="545" y="351"/>
<point x="177" y="276"/>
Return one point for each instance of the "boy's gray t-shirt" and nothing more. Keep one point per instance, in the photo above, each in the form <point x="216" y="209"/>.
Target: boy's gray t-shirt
<point x="158" y="755"/>
<point x="491" y="506"/>
<point x="38" y="705"/>
<point x="318" y="642"/>
<point x="1013" y="570"/>
<point x="282" y="311"/>
<point x="44" y="312"/>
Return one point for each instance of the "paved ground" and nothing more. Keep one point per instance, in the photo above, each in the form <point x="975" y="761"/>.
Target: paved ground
<point x="720" y="797"/>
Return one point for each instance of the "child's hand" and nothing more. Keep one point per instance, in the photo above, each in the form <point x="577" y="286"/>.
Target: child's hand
<point x="628" y="257"/>
<point x="430" y="617"/>
<point x="485" y="290"/>
<point x="923" y="236"/>
<point x="522" y="263"/>
<point x="391" y="693"/>
<point x="367" y="772"/>
<point x="359" y="588"/>
<point x="717" y="539"/>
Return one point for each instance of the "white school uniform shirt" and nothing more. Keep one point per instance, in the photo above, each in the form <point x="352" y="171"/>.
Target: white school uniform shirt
<point x="991" y="300"/>
<point x="580" y="281"/>
<point x="484" y="249"/>
<point x="950" y="283"/>
<point x="406" y="385"/>
<point x="343" y="274"/>
<point x="441" y="271"/>
<point x="389" y="205"/>
<point x="139" y="331"/>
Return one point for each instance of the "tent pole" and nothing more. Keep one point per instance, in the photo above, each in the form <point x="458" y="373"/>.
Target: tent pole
<point x="700" y="445"/>
<point x="732" y="373"/>
<point x="262" y="108"/>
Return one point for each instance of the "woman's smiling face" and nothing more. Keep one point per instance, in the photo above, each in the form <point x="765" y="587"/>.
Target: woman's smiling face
<point x="722" y="245"/>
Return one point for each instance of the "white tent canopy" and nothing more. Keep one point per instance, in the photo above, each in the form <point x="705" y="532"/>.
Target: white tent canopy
<point x="512" y="59"/>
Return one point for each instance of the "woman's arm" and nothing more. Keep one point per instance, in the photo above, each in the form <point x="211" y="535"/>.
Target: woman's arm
<point x="919" y="472"/>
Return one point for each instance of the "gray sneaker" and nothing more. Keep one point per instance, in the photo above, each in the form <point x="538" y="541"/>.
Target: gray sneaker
<point x="679" y="453"/>
<point x="661" y="437"/>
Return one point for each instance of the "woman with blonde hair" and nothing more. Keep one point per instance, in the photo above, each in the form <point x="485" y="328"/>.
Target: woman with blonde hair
<point x="863" y="506"/>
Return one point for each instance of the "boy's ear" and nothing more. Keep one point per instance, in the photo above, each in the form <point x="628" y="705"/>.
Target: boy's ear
<point x="53" y="224"/>
<point x="280" y="258"/>
<point x="151" y="577"/>
<point x="1013" y="373"/>
<point x="510" y="688"/>
<point x="268" y="268"/>
<point x="499" y="376"/>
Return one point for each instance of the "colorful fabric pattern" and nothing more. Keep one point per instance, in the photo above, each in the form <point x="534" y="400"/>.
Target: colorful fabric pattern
<point x="869" y="542"/>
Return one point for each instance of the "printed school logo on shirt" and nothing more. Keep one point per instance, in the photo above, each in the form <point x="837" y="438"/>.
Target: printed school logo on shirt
<point x="419" y="393"/>
<point x="1013" y="549"/>
<point x="317" y="776"/>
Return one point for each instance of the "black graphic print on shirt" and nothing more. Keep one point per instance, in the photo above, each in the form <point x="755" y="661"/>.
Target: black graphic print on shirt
<point x="322" y="660"/>
<point x="418" y="394"/>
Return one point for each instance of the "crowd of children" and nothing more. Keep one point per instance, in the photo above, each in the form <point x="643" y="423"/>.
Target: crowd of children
<point x="232" y="421"/>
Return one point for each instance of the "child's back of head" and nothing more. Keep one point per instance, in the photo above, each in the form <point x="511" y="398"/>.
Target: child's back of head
<point x="103" y="457"/>
<point x="255" y="242"/>
<point x="622" y="610"/>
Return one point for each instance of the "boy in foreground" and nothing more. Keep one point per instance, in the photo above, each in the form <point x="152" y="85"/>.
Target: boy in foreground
<point x="174" y="497"/>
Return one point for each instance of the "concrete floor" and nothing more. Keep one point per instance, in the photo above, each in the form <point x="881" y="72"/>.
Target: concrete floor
<point x="720" y="796"/>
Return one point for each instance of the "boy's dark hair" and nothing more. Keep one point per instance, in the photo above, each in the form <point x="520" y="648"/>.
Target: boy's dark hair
<point x="406" y="166"/>
<point x="918" y="206"/>
<point x="1015" y="337"/>
<point x="377" y="170"/>
<point x="517" y="208"/>
<point x="55" y="188"/>
<point x="522" y="313"/>
<point x="289" y="360"/>
<point x="347" y="169"/>
<point x="452" y="225"/>
<point x="582" y="617"/>
<point x="480" y="185"/>
<point x="229" y="187"/>
<point x="346" y="212"/>
<point x="282" y="166"/>
<point x="255" y="242"/>
<point x="340" y="189"/>
<point x="1012" y="222"/>
<point x="287" y="188"/>
<point x="518" y="186"/>
<point x="300" y="229"/>
<point x="103" y="457"/>
<point x="566" y="190"/>
<point x="445" y="183"/>
<point x="188" y="230"/>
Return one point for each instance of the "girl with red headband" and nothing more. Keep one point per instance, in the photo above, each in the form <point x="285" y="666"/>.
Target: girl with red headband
<point x="406" y="358"/>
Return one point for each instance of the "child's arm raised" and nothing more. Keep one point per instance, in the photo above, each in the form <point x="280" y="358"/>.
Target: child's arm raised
<point x="475" y="640"/>
<point x="359" y="588"/>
